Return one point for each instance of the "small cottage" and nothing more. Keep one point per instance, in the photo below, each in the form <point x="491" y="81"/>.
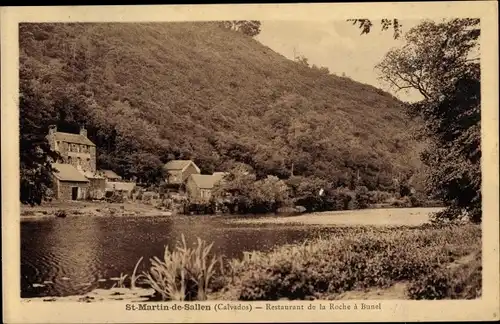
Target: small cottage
<point x="69" y="183"/>
<point x="199" y="186"/>
<point x="110" y="175"/>
<point x="124" y="188"/>
<point x="178" y="171"/>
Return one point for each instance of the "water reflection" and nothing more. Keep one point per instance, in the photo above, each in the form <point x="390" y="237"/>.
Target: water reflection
<point x="75" y="255"/>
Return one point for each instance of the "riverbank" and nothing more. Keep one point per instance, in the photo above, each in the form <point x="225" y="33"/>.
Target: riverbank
<point x="359" y="217"/>
<point x="90" y="208"/>
<point x="423" y="262"/>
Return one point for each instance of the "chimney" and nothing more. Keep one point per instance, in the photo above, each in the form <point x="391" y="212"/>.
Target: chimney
<point x="52" y="129"/>
<point x="83" y="131"/>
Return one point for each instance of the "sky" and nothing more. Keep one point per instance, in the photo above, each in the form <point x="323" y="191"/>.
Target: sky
<point x="337" y="45"/>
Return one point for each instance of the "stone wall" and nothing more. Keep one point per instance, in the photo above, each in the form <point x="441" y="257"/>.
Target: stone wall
<point x="64" y="190"/>
<point x="97" y="188"/>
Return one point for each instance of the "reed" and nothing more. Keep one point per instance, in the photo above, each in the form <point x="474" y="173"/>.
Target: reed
<point x="121" y="281"/>
<point x="135" y="278"/>
<point x="184" y="273"/>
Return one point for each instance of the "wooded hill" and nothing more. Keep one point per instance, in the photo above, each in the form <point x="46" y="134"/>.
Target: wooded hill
<point x="153" y="92"/>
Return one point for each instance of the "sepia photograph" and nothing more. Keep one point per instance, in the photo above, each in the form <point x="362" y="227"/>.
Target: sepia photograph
<point x="229" y="161"/>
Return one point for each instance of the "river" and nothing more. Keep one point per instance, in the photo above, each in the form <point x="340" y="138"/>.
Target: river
<point x="74" y="255"/>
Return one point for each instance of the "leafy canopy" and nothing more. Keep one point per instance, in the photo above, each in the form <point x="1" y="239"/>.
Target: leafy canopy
<point x="440" y="60"/>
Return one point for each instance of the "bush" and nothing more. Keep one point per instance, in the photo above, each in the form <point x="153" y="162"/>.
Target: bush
<point x="340" y="199"/>
<point x="462" y="282"/>
<point x="356" y="259"/>
<point x="433" y="285"/>
<point x="183" y="274"/>
<point x="362" y="197"/>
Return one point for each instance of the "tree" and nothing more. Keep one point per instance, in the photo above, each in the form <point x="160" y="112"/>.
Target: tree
<point x="438" y="61"/>
<point x="366" y="25"/>
<point x="301" y="59"/>
<point x="269" y="194"/>
<point x="236" y="188"/>
<point x="434" y="55"/>
<point x="35" y="152"/>
<point x="306" y="191"/>
<point x="247" y="27"/>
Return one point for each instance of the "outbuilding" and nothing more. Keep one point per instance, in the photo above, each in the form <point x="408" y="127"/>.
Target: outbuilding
<point x="69" y="183"/>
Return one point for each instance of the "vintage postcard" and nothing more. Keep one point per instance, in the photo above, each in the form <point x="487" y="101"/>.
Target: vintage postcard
<point x="250" y="163"/>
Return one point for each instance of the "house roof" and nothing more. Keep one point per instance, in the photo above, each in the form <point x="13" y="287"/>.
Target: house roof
<point x="220" y="175"/>
<point x="90" y="175"/>
<point x="120" y="186"/>
<point x="179" y="165"/>
<point x="67" y="172"/>
<point x="72" y="138"/>
<point x="204" y="181"/>
<point x="110" y="174"/>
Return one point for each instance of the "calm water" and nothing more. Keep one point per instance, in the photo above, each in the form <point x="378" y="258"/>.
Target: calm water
<point x="72" y="254"/>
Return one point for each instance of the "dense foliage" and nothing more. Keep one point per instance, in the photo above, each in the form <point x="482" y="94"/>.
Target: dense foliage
<point x="440" y="61"/>
<point x="149" y="93"/>
<point x="433" y="262"/>
<point x="35" y="177"/>
<point x="360" y="258"/>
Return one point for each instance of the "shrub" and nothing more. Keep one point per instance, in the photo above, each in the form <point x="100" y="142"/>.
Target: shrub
<point x="362" y="197"/>
<point x="356" y="259"/>
<point x="340" y="199"/>
<point x="461" y="282"/>
<point x="183" y="274"/>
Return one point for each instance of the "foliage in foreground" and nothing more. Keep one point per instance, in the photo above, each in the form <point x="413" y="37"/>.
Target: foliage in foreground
<point x="354" y="258"/>
<point x="463" y="281"/>
<point x="183" y="274"/>
<point x="427" y="258"/>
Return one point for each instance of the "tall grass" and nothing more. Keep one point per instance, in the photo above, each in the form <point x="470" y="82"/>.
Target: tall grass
<point x="184" y="273"/>
<point x="361" y="258"/>
<point x="433" y="260"/>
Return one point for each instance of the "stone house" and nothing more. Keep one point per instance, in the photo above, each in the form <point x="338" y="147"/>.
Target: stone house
<point x="199" y="187"/>
<point x="76" y="163"/>
<point x="69" y="184"/>
<point x="74" y="149"/>
<point x="178" y="171"/>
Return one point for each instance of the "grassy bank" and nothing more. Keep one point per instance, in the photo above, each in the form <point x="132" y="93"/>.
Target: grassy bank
<point x="429" y="262"/>
<point x="89" y="208"/>
<point x="353" y="259"/>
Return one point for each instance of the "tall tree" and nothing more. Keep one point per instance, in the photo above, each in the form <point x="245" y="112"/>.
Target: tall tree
<point x="35" y="152"/>
<point x="439" y="61"/>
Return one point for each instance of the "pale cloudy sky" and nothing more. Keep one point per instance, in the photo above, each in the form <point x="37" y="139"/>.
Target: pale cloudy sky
<point x="337" y="45"/>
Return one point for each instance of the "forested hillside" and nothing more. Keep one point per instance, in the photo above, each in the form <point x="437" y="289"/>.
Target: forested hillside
<point x="149" y="93"/>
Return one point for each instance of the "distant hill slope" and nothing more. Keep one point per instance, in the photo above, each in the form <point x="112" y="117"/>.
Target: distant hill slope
<point x="152" y="92"/>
